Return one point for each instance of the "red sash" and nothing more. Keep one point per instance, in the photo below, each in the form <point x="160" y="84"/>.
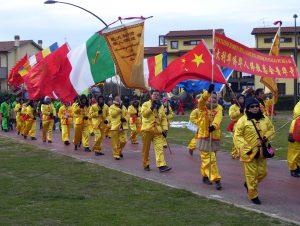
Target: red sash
<point x="296" y="131"/>
<point x="229" y="128"/>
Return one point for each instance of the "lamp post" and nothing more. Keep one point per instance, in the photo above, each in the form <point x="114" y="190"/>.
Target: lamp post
<point x="53" y="2"/>
<point x="295" y="57"/>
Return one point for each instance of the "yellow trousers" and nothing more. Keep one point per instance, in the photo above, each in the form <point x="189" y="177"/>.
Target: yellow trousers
<point x="65" y="132"/>
<point x="235" y="153"/>
<point x="47" y="129"/>
<point x="107" y="131"/>
<point x="118" y="142"/>
<point x="28" y="125"/>
<point x="158" y="143"/>
<point x="293" y="155"/>
<point x="205" y="166"/>
<point x="23" y="127"/>
<point x="32" y="131"/>
<point x="19" y="124"/>
<point x="99" y="133"/>
<point x="133" y="136"/>
<point x="254" y="171"/>
<point x="77" y="133"/>
<point x="193" y="144"/>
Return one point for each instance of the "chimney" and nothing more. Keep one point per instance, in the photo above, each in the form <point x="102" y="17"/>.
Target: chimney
<point x="40" y="43"/>
<point x="17" y="40"/>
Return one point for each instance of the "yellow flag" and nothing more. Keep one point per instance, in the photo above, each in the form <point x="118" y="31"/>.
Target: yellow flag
<point x="270" y="83"/>
<point x="126" y="44"/>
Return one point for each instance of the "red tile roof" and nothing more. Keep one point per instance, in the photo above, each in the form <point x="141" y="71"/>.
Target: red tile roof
<point x="10" y="45"/>
<point x="152" y="51"/>
<point x="273" y="30"/>
<point x="192" y="33"/>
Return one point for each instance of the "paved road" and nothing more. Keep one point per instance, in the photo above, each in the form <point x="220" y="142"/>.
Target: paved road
<point x="279" y="192"/>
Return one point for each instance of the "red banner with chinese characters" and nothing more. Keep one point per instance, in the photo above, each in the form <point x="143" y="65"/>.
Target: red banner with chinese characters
<point x="229" y="53"/>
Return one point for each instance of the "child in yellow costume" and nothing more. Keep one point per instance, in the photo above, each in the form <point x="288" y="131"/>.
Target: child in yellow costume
<point x="18" y="110"/>
<point x="66" y="118"/>
<point x="169" y="113"/>
<point x="30" y="121"/>
<point x="48" y="116"/>
<point x="134" y="112"/>
<point x="194" y="117"/>
<point x="209" y="125"/>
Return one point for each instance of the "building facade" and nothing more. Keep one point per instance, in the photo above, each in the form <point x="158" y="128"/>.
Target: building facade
<point x="289" y="42"/>
<point x="11" y="52"/>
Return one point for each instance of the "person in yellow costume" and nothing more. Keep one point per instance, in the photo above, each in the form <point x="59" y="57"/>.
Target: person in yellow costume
<point x="246" y="140"/>
<point x="134" y="112"/>
<point x="209" y="125"/>
<point x="107" y="131"/>
<point x="48" y="114"/>
<point x="154" y="129"/>
<point x="66" y="118"/>
<point x="236" y="111"/>
<point x="18" y="109"/>
<point x="119" y="125"/>
<point x="81" y="123"/>
<point x="265" y="105"/>
<point x="194" y="118"/>
<point x="98" y="113"/>
<point x="23" y="117"/>
<point x="30" y="121"/>
<point x="293" y="153"/>
<point x="169" y="113"/>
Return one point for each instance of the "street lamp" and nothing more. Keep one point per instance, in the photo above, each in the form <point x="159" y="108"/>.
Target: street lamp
<point x="53" y="2"/>
<point x="295" y="57"/>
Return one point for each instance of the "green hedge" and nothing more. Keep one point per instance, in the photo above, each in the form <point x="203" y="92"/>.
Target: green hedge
<point x="285" y="103"/>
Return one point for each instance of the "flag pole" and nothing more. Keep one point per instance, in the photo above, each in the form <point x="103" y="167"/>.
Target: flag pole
<point x="211" y="105"/>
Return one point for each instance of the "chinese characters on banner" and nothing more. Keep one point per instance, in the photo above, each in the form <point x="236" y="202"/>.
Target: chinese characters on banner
<point x="126" y="44"/>
<point x="231" y="54"/>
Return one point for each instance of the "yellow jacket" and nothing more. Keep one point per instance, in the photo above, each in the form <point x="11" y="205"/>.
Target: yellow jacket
<point x="296" y="111"/>
<point x="46" y="110"/>
<point x="29" y="113"/>
<point x="234" y="113"/>
<point x="246" y="139"/>
<point x="66" y="115"/>
<point x="79" y="114"/>
<point x="132" y="111"/>
<point x="204" y="118"/>
<point x="155" y="121"/>
<point x="194" y="116"/>
<point x="116" y="114"/>
<point x="98" y="120"/>
<point x="18" y="109"/>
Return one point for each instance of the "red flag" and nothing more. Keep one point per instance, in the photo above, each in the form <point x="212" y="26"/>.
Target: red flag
<point x="195" y="64"/>
<point x="14" y="78"/>
<point x="40" y="81"/>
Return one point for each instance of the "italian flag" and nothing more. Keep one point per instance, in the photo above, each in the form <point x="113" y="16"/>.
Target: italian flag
<point x="83" y="67"/>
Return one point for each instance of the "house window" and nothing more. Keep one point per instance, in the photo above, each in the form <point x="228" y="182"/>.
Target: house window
<point x="162" y="40"/>
<point x="191" y="42"/>
<point x="281" y="88"/>
<point x="268" y="40"/>
<point x="174" y="44"/>
<point x="282" y="40"/>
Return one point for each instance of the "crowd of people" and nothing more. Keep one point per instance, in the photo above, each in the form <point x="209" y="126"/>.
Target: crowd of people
<point x="99" y="117"/>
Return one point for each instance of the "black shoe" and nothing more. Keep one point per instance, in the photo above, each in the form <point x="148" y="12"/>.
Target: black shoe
<point x="218" y="185"/>
<point x="298" y="169"/>
<point x="121" y="155"/>
<point x="256" y="201"/>
<point x="50" y="141"/>
<point x="25" y="137"/>
<point x="206" y="181"/>
<point x="117" y="158"/>
<point x="147" y="168"/>
<point x="164" y="169"/>
<point x="67" y="142"/>
<point x="92" y="134"/>
<point x="245" y="185"/>
<point x="165" y="146"/>
<point x="191" y="152"/>
<point x="294" y="173"/>
<point x="75" y="147"/>
<point x="99" y="153"/>
<point x="33" y="138"/>
<point x="87" y="149"/>
<point x="5" y="130"/>
<point x="18" y="133"/>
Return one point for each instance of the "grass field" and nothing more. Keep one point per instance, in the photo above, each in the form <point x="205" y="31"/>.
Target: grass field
<point x="38" y="187"/>
<point x="279" y="142"/>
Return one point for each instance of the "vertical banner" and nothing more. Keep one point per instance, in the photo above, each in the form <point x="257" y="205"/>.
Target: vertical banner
<point x="126" y="43"/>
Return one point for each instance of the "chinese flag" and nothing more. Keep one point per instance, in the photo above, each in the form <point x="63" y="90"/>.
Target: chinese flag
<point x="270" y="83"/>
<point x="14" y="77"/>
<point x="195" y="64"/>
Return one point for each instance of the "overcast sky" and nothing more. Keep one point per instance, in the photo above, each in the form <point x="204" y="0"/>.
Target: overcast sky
<point x="31" y="19"/>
